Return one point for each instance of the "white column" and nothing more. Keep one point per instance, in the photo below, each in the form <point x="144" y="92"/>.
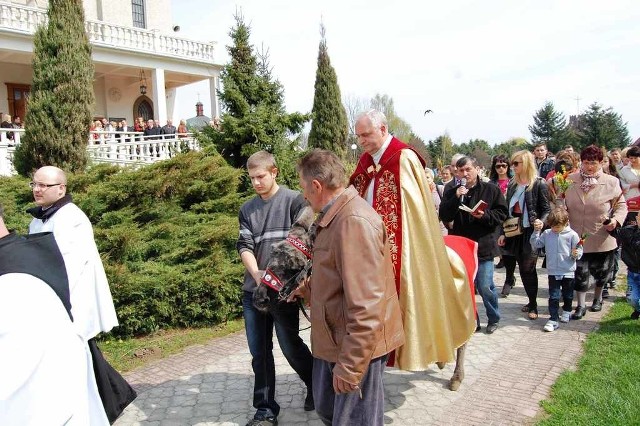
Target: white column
<point x="159" y="96"/>
<point x="215" y="107"/>
<point x="171" y="103"/>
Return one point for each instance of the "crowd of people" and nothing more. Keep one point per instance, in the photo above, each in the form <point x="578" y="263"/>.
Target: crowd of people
<point x="571" y="208"/>
<point x="386" y="288"/>
<point x="105" y="130"/>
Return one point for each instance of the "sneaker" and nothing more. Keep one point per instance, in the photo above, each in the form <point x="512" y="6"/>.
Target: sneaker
<point x="596" y="307"/>
<point x="263" y="421"/>
<point x="491" y="327"/>
<point x="605" y="293"/>
<point x="551" y="326"/>
<point x="565" y="316"/>
<point x="635" y="315"/>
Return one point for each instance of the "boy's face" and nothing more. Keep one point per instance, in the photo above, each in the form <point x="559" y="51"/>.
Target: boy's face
<point x="263" y="180"/>
<point x="558" y="228"/>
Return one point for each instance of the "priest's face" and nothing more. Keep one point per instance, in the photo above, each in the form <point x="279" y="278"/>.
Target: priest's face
<point x="370" y="137"/>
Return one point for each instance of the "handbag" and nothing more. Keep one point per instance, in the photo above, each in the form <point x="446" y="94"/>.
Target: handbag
<point x="511" y="227"/>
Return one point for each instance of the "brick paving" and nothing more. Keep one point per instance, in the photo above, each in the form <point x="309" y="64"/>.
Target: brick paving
<point x="507" y="374"/>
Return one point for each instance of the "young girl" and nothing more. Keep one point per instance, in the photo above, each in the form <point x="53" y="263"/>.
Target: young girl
<point x="563" y="247"/>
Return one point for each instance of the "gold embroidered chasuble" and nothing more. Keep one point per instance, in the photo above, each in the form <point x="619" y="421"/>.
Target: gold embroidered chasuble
<point x="433" y="289"/>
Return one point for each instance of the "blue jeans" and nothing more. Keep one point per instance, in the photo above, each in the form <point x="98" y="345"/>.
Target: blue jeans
<point x="487" y="289"/>
<point x="259" y="329"/>
<point x="557" y="288"/>
<point x="633" y="283"/>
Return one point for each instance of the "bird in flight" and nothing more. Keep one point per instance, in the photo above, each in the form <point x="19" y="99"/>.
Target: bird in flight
<point x="427" y="112"/>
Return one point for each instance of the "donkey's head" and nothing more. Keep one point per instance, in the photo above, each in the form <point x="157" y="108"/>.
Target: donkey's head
<point x="287" y="265"/>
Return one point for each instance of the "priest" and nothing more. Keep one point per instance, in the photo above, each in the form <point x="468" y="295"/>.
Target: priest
<point x="433" y="289"/>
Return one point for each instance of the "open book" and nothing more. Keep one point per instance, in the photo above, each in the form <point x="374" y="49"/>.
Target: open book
<point x="481" y="205"/>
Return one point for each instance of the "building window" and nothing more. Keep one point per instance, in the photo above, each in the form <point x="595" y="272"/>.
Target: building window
<point x="137" y="8"/>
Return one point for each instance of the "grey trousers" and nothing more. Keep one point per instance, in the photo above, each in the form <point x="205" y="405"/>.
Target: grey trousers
<point x="349" y="409"/>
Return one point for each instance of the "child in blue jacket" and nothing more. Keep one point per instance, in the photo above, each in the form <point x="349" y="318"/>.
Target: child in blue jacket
<point x="563" y="247"/>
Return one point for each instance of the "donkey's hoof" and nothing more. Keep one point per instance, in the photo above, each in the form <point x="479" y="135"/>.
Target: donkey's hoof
<point x="455" y="382"/>
<point x="441" y="364"/>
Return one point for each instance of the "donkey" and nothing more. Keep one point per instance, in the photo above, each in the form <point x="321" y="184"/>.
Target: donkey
<point x="290" y="264"/>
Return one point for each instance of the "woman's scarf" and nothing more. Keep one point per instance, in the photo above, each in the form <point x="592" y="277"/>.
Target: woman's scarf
<point x="589" y="181"/>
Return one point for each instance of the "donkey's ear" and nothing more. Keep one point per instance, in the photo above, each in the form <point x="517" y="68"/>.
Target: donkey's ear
<point x="305" y="218"/>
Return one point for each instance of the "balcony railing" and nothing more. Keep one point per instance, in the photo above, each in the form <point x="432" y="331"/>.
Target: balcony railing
<point x="122" y="148"/>
<point x="24" y="19"/>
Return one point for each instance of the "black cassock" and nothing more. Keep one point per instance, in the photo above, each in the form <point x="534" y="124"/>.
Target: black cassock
<point x="38" y="255"/>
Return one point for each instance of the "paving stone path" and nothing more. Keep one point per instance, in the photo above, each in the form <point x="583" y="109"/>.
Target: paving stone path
<point x="508" y="373"/>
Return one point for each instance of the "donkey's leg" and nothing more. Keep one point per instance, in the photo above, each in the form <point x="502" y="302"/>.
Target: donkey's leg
<point x="458" y="372"/>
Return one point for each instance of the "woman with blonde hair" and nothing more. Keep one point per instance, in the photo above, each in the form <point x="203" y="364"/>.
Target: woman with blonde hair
<point x="528" y="200"/>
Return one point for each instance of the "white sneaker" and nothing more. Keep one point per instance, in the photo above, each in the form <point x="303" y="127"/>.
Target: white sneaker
<point x="551" y="326"/>
<point x="565" y="316"/>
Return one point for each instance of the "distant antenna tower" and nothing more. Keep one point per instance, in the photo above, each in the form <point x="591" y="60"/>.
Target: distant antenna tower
<point x="578" y="99"/>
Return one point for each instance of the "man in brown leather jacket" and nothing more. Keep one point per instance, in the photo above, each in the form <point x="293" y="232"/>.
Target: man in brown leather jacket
<point x="355" y="314"/>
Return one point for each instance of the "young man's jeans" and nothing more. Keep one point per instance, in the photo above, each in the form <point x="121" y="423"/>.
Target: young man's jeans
<point x="633" y="283"/>
<point x="558" y="287"/>
<point x="487" y="289"/>
<point x="259" y="330"/>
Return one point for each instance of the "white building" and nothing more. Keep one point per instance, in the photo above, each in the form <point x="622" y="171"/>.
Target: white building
<point x="139" y="61"/>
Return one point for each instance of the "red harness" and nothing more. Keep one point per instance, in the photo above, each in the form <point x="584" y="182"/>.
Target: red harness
<point x="270" y="279"/>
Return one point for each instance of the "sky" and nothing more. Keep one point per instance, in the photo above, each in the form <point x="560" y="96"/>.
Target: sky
<point x="483" y="67"/>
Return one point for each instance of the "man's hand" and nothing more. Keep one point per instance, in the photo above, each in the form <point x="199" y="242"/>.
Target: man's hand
<point x="257" y="276"/>
<point x="501" y="240"/>
<point x="462" y="190"/>
<point x="478" y="214"/>
<point x="341" y="386"/>
<point x="302" y="291"/>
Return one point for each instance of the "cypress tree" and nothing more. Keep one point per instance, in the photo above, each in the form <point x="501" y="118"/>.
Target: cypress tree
<point x="254" y="117"/>
<point x="61" y="102"/>
<point x="330" y="127"/>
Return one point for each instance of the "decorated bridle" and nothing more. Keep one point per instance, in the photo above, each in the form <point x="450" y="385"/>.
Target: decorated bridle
<point x="285" y="289"/>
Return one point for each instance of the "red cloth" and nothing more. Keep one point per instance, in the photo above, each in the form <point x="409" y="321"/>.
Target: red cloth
<point x="468" y="251"/>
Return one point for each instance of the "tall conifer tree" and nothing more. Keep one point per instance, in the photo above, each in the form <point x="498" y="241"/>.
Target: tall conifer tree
<point x="549" y="126"/>
<point x="254" y="117"/>
<point x="61" y="101"/>
<point x="330" y="127"/>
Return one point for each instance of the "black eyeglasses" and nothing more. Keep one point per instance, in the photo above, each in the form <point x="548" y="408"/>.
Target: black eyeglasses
<point x="515" y="163"/>
<point x="45" y="186"/>
<point x="501" y="166"/>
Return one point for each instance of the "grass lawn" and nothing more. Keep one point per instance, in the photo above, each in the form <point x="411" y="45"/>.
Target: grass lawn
<point x="605" y="388"/>
<point x="126" y="355"/>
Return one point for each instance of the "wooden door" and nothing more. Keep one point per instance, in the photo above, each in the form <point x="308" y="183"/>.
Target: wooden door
<point x="18" y="96"/>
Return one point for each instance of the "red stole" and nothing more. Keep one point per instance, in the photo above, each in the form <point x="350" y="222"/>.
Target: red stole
<point x="387" y="199"/>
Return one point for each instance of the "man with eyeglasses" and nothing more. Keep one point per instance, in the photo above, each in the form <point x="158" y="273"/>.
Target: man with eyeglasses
<point x="91" y="303"/>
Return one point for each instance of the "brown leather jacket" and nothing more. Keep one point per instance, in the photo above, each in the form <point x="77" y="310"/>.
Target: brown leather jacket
<point x="355" y="314"/>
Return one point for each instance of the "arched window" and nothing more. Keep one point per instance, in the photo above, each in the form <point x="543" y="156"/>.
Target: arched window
<point x="137" y="10"/>
<point x="143" y="107"/>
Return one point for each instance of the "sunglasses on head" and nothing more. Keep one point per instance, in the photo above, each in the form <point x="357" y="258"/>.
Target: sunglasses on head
<point x="501" y="166"/>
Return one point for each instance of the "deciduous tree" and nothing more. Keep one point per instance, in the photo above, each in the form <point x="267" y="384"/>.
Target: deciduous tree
<point x="61" y="102"/>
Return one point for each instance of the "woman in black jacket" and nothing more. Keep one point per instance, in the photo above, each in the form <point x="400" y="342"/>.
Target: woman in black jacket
<point x="528" y="200"/>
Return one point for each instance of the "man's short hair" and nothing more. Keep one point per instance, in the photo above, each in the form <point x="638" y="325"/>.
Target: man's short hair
<point x="466" y="159"/>
<point x="538" y="144"/>
<point x="261" y="159"/>
<point x="378" y="119"/>
<point x="634" y="151"/>
<point x="323" y="166"/>
<point x="558" y="216"/>
<point x="568" y="147"/>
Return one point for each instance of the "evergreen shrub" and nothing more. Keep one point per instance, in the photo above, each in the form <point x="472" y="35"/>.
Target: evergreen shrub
<point x="166" y="234"/>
